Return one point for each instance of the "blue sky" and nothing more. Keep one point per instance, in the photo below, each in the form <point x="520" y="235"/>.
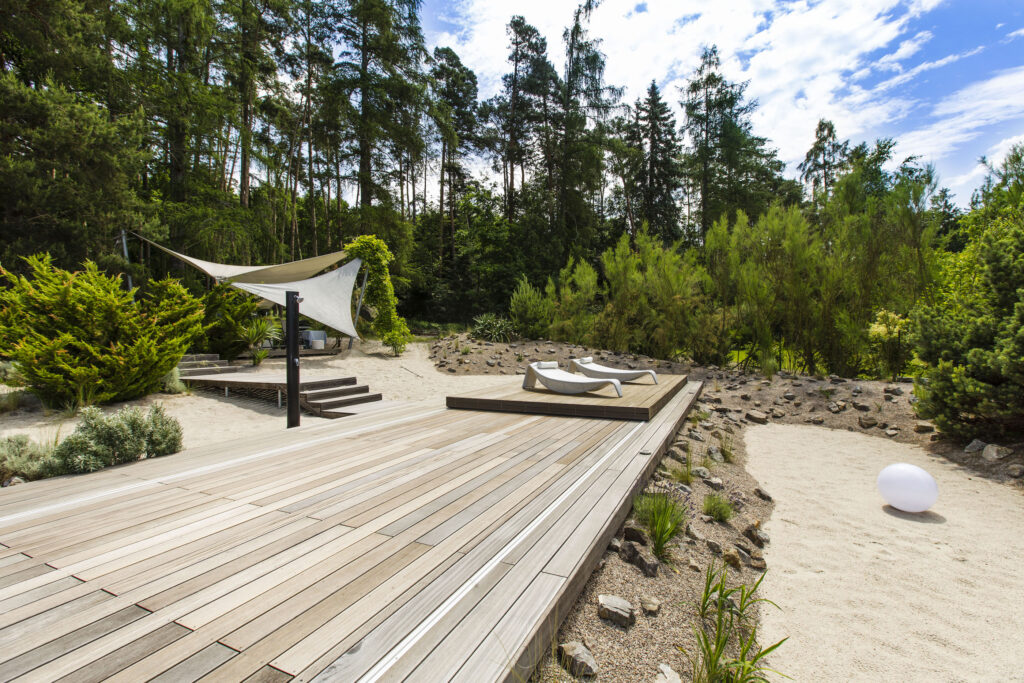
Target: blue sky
<point x="944" y="79"/>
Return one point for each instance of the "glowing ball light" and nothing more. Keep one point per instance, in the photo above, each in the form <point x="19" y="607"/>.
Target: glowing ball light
<point x="907" y="487"/>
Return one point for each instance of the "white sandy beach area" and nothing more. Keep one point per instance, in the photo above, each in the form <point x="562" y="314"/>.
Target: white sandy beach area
<point x="868" y="593"/>
<point x="207" y="417"/>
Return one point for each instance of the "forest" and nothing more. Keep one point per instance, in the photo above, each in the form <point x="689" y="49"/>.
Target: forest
<point x="262" y="131"/>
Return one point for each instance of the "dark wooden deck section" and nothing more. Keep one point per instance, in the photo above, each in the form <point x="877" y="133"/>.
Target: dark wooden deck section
<point x="263" y="380"/>
<point x="410" y="543"/>
<point x="639" y="401"/>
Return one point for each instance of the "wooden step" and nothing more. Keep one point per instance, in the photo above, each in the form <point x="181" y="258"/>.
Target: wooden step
<point x="321" y="395"/>
<point x="214" y="370"/>
<point x="334" y="411"/>
<point x="342" y="401"/>
<point x="189" y="364"/>
<point x="189" y="357"/>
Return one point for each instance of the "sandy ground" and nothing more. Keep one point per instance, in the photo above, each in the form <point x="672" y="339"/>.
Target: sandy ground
<point x="207" y="417"/>
<point x="871" y="594"/>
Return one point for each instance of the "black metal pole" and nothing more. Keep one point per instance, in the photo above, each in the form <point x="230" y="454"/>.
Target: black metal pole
<point x="292" y="343"/>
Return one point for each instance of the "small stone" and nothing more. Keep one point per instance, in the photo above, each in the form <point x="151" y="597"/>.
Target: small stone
<point x="1015" y="471"/>
<point x="762" y="494"/>
<point x="678" y="454"/>
<point x="745" y="397"/>
<point x="451" y="370"/>
<point x="818" y="420"/>
<point x="923" y="428"/>
<point x="867" y="422"/>
<point x="715" y="483"/>
<point x="895" y="391"/>
<point x="632" y="532"/>
<point x="757" y="417"/>
<point x="693" y="533"/>
<point x="715" y="453"/>
<point x="756" y="536"/>
<point x="646" y="562"/>
<point x="732" y="558"/>
<point x="490" y="363"/>
<point x="667" y="675"/>
<point x="744" y="555"/>
<point x="616" y="610"/>
<point x="758" y="563"/>
<point x="615" y="545"/>
<point x="14" y="481"/>
<point x="577" y="659"/>
<point x="695" y="435"/>
<point x="707" y="519"/>
<point x="776" y="413"/>
<point x="892" y="433"/>
<point x="833" y="407"/>
<point x="650" y="606"/>
<point x="628" y="551"/>
<point x="693" y="565"/>
<point x="992" y="452"/>
<point x="862" y="407"/>
<point x="975" y="446"/>
<point x="714" y="546"/>
<point x="789" y="396"/>
<point x="701" y="472"/>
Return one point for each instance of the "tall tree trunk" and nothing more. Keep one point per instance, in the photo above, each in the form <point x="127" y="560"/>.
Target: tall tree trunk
<point x="365" y="147"/>
<point x="440" y="203"/>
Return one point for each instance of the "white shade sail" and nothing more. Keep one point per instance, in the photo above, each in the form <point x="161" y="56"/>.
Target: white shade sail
<point x="284" y="272"/>
<point x="326" y="298"/>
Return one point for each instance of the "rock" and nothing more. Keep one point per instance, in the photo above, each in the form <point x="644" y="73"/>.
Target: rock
<point x="707" y="425"/>
<point x="895" y="391"/>
<point x="616" y="610"/>
<point x="451" y="370"/>
<point x="758" y="563"/>
<point x="707" y="519"/>
<point x="745" y="397"/>
<point x="646" y="562"/>
<point x="789" y="396"/>
<point x="1015" y="471"/>
<point x="762" y="494"/>
<point x="667" y="675"/>
<point x="632" y="532"/>
<point x="776" y="413"/>
<point x="862" y="407"/>
<point x="732" y="558"/>
<point x="615" y="545"/>
<point x="744" y="555"/>
<point x="14" y="481"/>
<point x="715" y="453"/>
<point x="817" y="420"/>
<point x="992" y="452"/>
<point x="678" y="454"/>
<point x="693" y="565"/>
<point x="714" y="546"/>
<point x="715" y="483"/>
<point x="756" y="536"/>
<point x="975" y="446"/>
<point x="693" y="533"/>
<point x="891" y="433"/>
<point x="757" y="417"/>
<point x="695" y="435"/>
<point x="628" y="551"/>
<point x="577" y="659"/>
<point x="867" y="422"/>
<point x="490" y="363"/>
<point x="833" y="407"/>
<point x="923" y="428"/>
<point x="701" y="472"/>
<point x="650" y="606"/>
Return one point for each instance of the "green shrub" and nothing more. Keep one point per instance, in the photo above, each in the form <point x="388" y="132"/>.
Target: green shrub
<point x="889" y="343"/>
<point x="664" y="517"/>
<point x="101" y="441"/>
<point x="493" y="328"/>
<point x="389" y="327"/>
<point x="718" y="507"/>
<point x="22" y="457"/>
<point x="79" y="338"/>
<point x="173" y="383"/>
<point x="530" y="311"/>
<point x="227" y="310"/>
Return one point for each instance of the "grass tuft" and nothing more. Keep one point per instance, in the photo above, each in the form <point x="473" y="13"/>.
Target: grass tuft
<point x="718" y="507"/>
<point x="664" y="517"/>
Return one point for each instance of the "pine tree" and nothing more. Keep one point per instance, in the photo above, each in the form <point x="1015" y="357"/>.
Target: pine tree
<point x="660" y="177"/>
<point x="824" y="161"/>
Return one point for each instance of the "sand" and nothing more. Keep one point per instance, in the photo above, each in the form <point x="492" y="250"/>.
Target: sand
<point x="871" y="594"/>
<point x="207" y="417"/>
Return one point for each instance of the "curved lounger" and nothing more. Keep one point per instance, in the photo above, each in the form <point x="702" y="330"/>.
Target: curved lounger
<point x="562" y="382"/>
<point x="588" y="367"/>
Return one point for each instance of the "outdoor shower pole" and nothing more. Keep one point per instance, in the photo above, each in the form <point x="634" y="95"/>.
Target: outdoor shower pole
<point x="292" y="343"/>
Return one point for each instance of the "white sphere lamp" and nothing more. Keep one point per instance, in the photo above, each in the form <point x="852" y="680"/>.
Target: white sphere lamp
<point x="907" y="487"/>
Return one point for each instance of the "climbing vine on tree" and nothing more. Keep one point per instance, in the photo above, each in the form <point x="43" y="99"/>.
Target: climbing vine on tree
<point x="389" y="327"/>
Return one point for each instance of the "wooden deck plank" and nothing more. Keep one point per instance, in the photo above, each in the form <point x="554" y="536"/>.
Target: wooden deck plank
<point x="105" y="667"/>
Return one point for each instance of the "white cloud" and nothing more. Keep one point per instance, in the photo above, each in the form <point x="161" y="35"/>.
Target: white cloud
<point x="907" y="49"/>
<point x="907" y="76"/>
<point x="1019" y="33"/>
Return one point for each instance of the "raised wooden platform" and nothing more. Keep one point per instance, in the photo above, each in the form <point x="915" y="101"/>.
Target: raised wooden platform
<point x="639" y="401"/>
<point x="412" y="543"/>
<point x="329" y="397"/>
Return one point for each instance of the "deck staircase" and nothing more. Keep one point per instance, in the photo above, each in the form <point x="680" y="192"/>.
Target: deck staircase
<point x="204" y="364"/>
<point x="331" y="397"/>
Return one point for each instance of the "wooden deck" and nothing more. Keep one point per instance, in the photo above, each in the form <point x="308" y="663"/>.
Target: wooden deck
<point x="406" y="544"/>
<point x="639" y="401"/>
<point x="264" y="380"/>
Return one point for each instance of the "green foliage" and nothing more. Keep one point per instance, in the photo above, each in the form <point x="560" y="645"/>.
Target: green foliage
<point x="890" y="343"/>
<point x="259" y="330"/>
<point x="972" y="336"/>
<point x="574" y="302"/>
<point x="173" y="384"/>
<point x="389" y="327"/>
<point x="22" y="457"/>
<point x="664" y="517"/>
<point x="227" y="310"/>
<point x="79" y="338"/>
<point x="493" y="328"/>
<point x="718" y="507"/>
<point x="530" y="310"/>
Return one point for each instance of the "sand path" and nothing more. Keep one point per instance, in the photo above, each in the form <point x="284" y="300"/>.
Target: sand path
<point x="871" y="594"/>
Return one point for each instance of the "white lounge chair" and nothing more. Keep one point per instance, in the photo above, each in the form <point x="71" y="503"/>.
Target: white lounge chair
<point x="562" y="382"/>
<point x="588" y="367"/>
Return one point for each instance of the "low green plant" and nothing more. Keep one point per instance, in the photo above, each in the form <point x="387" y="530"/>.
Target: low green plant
<point x="258" y="330"/>
<point x="717" y="507"/>
<point x="103" y="440"/>
<point x="530" y="311"/>
<point x="728" y="454"/>
<point x="664" y="517"/>
<point x="684" y="473"/>
<point x="465" y="351"/>
<point x="22" y="457"/>
<point x="173" y="383"/>
<point x="493" y="328"/>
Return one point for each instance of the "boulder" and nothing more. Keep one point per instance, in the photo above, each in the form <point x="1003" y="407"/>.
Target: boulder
<point x="577" y="659"/>
<point x="757" y="417"/>
<point x="632" y="532"/>
<point x="867" y="422"/>
<point x="993" y="452"/>
<point x="616" y="610"/>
